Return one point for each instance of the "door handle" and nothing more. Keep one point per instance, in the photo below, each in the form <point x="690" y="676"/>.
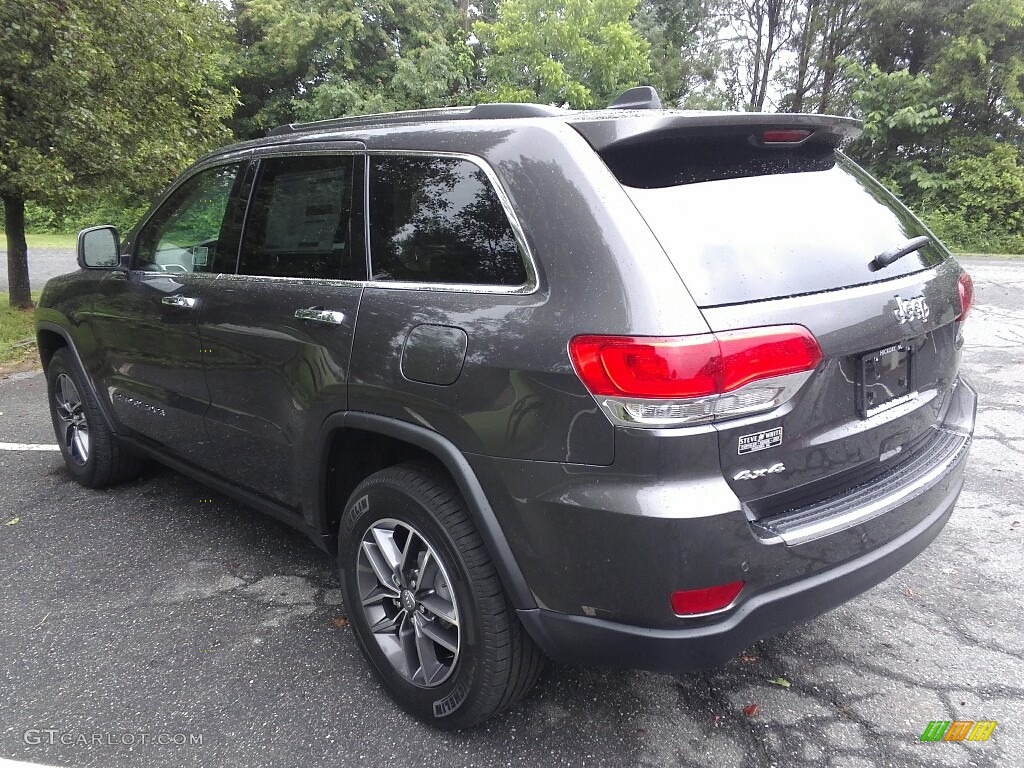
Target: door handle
<point x="318" y="315"/>
<point x="185" y="302"/>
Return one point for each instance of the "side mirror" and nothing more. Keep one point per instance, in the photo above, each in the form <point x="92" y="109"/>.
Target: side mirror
<point x="98" y="248"/>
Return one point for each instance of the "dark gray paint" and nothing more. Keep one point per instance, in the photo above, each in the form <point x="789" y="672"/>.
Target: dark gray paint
<point x="434" y="354"/>
<point x="273" y="378"/>
<point x="822" y="432"/>
<point x="151" y="367"/>
<point x="584" y="519"/>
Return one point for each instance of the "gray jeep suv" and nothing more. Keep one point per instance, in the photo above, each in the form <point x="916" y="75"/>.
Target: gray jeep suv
<point x="632" y="386"/>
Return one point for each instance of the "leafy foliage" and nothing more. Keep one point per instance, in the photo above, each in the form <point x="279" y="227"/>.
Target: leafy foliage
<point x="577" y="52"/>
<point x="898" y="109"/>
<point x="302" y="60"/>
<point x="975" y="202"/>
<point x="89" y="97"/>
<point x="102" y="101"/>
<point x="685" y="59"/>
<point x="103" y="93"/>
<point x="87" y="210"/>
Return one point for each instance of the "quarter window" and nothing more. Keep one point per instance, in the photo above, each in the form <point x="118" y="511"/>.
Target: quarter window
<point x="187" y="233"/>
<point x="303" y="222"/>
<point x="438" y="220"/>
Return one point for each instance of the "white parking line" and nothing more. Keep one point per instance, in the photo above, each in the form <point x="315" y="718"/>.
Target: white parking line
<point x="15" y="764"/>
<point x="27" y="447"/>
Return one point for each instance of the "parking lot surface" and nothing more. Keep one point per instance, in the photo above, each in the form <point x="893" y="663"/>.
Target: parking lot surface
<point x="160" y="624"/>
<point x="43" y="263"/>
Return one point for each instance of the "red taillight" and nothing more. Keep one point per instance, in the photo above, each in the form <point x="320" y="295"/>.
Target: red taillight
<point x="784" y="136"/>
<point x="688" y="602"/>
<point x="763" y="353"/>
<point x="691" y="366"/>
<point x="629" y="366"/>
<point x="965" y="287"/>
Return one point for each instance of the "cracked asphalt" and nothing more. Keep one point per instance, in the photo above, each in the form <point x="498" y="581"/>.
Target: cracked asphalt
<point x="160" y="607"/>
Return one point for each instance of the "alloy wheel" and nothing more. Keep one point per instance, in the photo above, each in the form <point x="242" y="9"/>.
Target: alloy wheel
<point x="71" y="413"/>
<point x="408" y="602"/>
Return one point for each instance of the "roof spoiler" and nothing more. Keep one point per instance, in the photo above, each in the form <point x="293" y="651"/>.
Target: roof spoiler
<point x="668" y="126"/>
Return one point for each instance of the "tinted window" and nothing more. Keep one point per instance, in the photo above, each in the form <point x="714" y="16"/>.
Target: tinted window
<point x="187" y="233"/>
<point x="438" y="220"/>
<point x="302" y="221"/>
<point x="746" y="226"/>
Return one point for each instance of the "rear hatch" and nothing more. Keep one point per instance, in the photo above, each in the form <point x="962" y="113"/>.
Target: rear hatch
<point x="768" y="224"/>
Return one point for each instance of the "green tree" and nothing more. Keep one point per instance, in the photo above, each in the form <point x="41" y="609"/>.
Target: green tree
<point x="974" y="203"/>
<point x="906" y="34"/>
<point x="577" y="52"/>
<point x="413" y="55"/>
<point x="98" y="93"/>
<point x="980" y="69"/>
<point x="825" y="31"/>
<point x="898" y="109"/>
<point x="685" y="56"/>
<point x="285" y="48"/>
<point x="302" y="60"/>
<point x="943" y="115"/>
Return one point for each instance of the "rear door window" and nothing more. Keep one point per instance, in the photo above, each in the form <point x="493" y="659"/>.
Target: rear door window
<point x="305" y="220"/>
<point x="439" y="220"/>
<point x="750" y="225"/>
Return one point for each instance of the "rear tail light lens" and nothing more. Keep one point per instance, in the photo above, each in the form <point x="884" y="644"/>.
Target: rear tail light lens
<point x="670" y="381"/>
<point x="690" y="602"/>
<point x="965" y="287"/>
<point x="688" y="366"/>
<point x="762" y="353"/>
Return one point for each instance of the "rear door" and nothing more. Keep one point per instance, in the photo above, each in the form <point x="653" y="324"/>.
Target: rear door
<point x="277" y="335"/>
<point x="787" y="235"/>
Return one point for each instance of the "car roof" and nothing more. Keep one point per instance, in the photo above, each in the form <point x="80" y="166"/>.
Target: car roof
<point x="602" y="128"/>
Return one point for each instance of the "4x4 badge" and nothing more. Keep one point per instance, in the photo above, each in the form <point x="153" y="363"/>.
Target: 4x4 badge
<point x="911" y="309"/>
<point x="750" y="474"/>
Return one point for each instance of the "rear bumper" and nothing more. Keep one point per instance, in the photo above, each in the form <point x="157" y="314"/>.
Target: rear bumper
<point x="888" y="542"/>
<point x="583" y="640"/>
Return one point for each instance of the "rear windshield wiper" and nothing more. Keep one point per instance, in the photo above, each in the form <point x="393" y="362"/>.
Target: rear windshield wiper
<point x="886" y="258"/>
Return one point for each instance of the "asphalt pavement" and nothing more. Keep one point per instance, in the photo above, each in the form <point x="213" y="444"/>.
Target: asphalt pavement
<point x="159" y="624"/>
<point x="43" y="263"/>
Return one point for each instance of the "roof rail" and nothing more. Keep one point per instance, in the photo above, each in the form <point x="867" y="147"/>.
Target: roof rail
<point x="479" y="112"/>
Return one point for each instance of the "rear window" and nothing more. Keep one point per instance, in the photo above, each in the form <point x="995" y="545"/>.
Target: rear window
<point x="742" y="224"/>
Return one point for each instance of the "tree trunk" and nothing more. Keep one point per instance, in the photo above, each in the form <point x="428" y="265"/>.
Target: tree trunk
<point x="17" y="252"/>
<point x="804" y="55"/>
<point x="826" y="88"/>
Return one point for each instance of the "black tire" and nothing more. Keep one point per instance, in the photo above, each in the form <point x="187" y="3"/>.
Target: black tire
<point x="495" y="662"/>
<point x="99" y="460"/>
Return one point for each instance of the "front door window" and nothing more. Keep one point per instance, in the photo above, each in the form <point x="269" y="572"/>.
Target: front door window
<point x="187" y="234"/>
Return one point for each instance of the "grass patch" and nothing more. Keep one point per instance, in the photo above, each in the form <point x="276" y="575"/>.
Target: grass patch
<point x="17" y="333"/>
<point x="45" y="240"/>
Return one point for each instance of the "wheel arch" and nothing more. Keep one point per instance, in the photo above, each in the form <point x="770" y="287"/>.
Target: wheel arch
<point x="422" y="444"/>
<point x="51" y="337"/>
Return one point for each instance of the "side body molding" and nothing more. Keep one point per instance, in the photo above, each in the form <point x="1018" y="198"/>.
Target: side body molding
<point x="477" y="504"/>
